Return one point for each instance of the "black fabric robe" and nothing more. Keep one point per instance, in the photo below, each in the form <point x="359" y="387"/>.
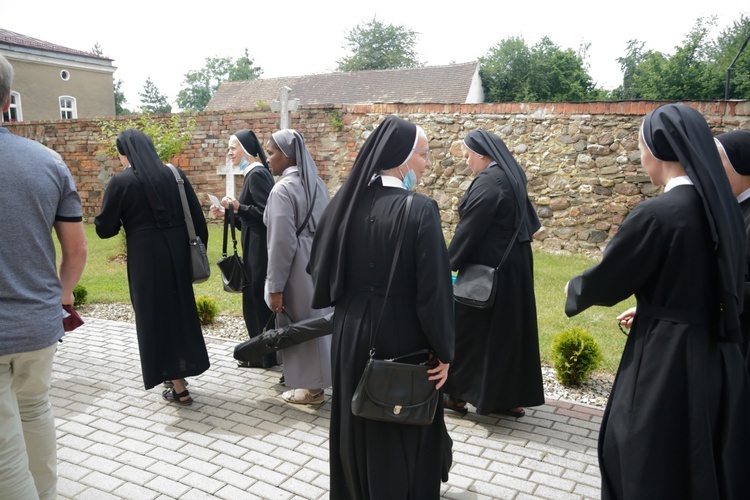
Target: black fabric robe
<point x="745" y="317"/>
<point x="258" y="183"/>
<point x="676" y="424"/>
<point x="497" y="365"/>
<point x="370" y="459"/>
<point x="170" y="339"/>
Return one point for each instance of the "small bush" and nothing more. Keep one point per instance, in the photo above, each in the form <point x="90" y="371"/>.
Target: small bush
<point x="207" y="309"/>
<point x="575" y="354"/>
<point x="80" y="295"/>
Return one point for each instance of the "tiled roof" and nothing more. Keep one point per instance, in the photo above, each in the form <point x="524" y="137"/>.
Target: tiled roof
<point x="12" y="38"/>
<point x="432" y="84"/>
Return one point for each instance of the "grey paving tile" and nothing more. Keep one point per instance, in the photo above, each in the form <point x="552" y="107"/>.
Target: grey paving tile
<point x="240" y="441"/>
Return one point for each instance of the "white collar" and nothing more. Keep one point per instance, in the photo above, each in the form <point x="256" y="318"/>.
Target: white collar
<point x="389" y="181"/>
<point x="251" y="167"/>
<point x="682" y="180"/>
<point x="743" y="196"/>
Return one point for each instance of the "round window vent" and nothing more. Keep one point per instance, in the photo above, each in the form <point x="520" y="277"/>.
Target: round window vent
<point x="65" y="75"/>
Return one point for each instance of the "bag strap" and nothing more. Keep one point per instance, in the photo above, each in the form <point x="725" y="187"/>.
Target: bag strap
<point x="513" y="239"/>
<point x="404" y="220"/>
<point x="272" y="319"/>
<point x="183" y="199"/>
<point x="309" y="212"/>
<point x="229" y="222"/>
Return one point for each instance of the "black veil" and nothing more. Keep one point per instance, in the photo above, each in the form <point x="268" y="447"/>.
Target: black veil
<point x="676" y="132"/>
<point x="147" y="166"/>
<point x="388" y="146"/>
<point x="485" y="143"/>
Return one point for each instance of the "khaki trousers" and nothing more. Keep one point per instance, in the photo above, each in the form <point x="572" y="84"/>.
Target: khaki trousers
<point x="28" y="445"/>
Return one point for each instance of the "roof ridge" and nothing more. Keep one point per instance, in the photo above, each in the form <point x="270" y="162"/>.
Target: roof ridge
<point x="20" y="40"/>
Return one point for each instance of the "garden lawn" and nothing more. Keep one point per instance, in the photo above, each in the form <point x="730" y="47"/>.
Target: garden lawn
<point x="105" y="279"/>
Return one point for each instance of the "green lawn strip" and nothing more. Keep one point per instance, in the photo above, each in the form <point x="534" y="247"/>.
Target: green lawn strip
<point x="105" y="278"/>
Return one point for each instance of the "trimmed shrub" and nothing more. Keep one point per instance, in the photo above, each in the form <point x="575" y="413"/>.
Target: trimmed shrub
<point x="207" y="309"/>
<point x="80" y="295"/>
<point x="575" y="354"/>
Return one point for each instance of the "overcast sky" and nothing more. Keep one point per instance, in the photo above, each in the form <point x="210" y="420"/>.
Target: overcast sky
<point x="165" y="39"/>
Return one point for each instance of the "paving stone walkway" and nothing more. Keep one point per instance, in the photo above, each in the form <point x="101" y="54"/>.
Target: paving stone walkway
<point x="240" y="441"/>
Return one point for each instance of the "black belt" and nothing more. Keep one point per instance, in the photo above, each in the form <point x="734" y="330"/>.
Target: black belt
<point x="699" y="318"/>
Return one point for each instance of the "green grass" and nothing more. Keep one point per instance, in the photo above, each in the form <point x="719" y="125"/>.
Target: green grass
<point x="105" y="276"/>
<point x="551" y="273"/>
<point x="105" y="279"/>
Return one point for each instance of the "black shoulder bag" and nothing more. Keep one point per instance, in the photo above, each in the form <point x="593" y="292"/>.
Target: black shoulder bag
<point x="198" y="256"/>
<point x="394" y="390"/>
<point x="232" y="267"/>
<point x="476" y="284"/>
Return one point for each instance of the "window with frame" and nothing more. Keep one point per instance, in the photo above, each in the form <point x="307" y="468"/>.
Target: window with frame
<point x="68" y="107"/>
<point x="14" y="111"/>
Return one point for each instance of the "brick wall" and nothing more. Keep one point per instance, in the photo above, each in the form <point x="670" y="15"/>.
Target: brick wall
<point x="581" y="159"/>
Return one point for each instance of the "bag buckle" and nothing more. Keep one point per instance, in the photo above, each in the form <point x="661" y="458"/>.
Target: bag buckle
<point x="397" y="409"/>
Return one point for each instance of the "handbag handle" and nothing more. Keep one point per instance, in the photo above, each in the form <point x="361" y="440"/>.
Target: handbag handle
<point x="272" y="318"/>
<point x="229" y="221"/>
<point x="183" y="200"/>
<point x="404" y="220"/>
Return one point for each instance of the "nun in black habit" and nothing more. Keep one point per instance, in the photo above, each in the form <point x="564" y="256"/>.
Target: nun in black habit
<point x="144" y="199"/>
<point x="497" y="366"/>
<point x="350" y="263"/>
<point x="246" y="153"/>
<point x="676" y="423"/>
<point x="734" y="149"/>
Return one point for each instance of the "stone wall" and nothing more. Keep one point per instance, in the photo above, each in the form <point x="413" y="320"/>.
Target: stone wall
<point x="581" y="159"/>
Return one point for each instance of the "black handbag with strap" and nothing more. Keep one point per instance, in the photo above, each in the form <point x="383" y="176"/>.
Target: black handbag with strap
<point x="198" y="257"/>
<point x="476" y="284"/>
<point x="232" y="267"/>
<point x="396" y="390"/>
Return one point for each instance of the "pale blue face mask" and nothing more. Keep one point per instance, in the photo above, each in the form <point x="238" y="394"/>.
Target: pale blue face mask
<point x="409" y="180"/>
<point x="243" y="164"/>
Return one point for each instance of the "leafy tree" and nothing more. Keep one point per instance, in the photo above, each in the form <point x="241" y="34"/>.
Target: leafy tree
<point x="120" y="100"/>
<point x="152" y="101"/>
<point x="505" y="70"/>
<point x="199" y="86"/>
<point x="243" y="69"/>
<point x="726" y="48"/>
<point x="169" y="136"/>
<point x="511" y="71"/>
<point x="628" y="64"/>
<point x="558" y="75"/>
<point x="374" y="45"/>
<point x="696" y="70"/>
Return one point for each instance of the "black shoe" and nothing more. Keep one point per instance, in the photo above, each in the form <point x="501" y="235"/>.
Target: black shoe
<point x="457" y="405"/>
<point x="513" y="413"/>
<point x="247" y="364"/>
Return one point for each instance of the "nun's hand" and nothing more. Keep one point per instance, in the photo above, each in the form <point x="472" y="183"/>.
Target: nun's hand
<point x="217" y="211"/>
<point x="227" y="200"/>
<point x="439" y="373"/>
<point x="626" y="318"/>
<point x="277" y="301"/>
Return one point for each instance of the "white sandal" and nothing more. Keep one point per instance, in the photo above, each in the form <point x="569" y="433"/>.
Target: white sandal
<point x="303" y="397"/>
